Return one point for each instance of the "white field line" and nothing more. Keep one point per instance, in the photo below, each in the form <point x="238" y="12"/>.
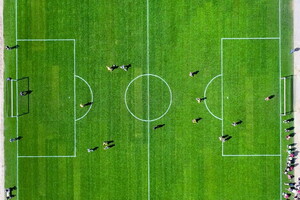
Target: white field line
<point x="148" y="157"/>
<point x="75" y="138"/>
<point x="280" y="111"/>
<point x="257" y="38"/>
<point x="92" y="97"/>
<point x="253" y="155"/>
<point x="222" y="91"/>
<point x="71" y="156"/>
<point x="148" y="118"/>
<point x="44" y="40"/>
<point x="222" y="94"/>
<point x="17" y="111"/>
<point x="3" y="94"/>
<point x="205" y="96"/>
<point x="74" y="75"/>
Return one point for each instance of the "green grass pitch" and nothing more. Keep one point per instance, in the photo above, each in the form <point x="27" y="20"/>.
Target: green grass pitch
<point x="241" y="49"/>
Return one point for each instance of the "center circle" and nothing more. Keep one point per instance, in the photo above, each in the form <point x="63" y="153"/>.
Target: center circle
<point x="148" y="96"/>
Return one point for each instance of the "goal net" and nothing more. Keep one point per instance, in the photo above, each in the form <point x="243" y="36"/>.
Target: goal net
<point x="17" y="97"/>
<point x="287" y="97"/>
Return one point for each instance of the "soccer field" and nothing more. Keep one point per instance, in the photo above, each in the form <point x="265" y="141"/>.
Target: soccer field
<point x="241" y="50"/>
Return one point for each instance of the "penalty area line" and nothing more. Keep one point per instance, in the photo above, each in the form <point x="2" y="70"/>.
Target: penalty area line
<point x="205" y="96"/>
<point x="258" y="38"/>
<point x="43" y="40"/>
<point x="254" y="155"/>
<point x="72" y="156"/>
<point x="92" y="97"/>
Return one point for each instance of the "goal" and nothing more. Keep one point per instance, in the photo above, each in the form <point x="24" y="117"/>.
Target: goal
<point x="15" y="104"/>
<point x="287" y="96"/>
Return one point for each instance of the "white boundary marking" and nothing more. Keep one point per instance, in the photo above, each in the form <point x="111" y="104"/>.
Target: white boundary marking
<point x="254" y="155"/>
<point x="148" y="120"/>
<point x="280" y="109"/>
<point x="47" y="156"/>
<point x="74" y="75"/>
<point x="222" y="91"/>
<point x="222" y="94"/>
<point x="16" y="24"/>
<point x="258" y="38"/>
<point x="92" y="97"/>
<point x="17" y="100"/>
<point x="205" y="96"/>
<point x="148" y="117"/>
<point x="44" y="40"/>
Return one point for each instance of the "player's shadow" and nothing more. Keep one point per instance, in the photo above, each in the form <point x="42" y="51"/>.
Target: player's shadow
<point x="239" y="122"/>
<point x="95" y="148"/>
<point x="25" y="93"/>
<point x="297" y="49"/>
<point x="290" y="120"/>
<point x="293" y="161"/>
<point x="228" y="138"/>
<point x="17" y="46"/>
<point x="195" y="72"/>
<point x="19" y="138"/>
<point x="14" y="188"/>
<point x="295" y="164"/>
<point x="290" y="128"/>
<point x="293" y="149"/>
<point x="272" y="96"/>
<point x="296" y="153"/>
<point x="198" y="119"/>
<point x="292" y="134"/>
<point x="127" y="66"/>
<point x="159" y="126"/>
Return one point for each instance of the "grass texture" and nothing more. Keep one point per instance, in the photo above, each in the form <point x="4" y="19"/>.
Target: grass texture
<point x="163" y="41"/>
